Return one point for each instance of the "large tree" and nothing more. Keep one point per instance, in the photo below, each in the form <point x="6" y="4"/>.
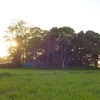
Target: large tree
<point x="86" y="47"/>
<point x="49" y="46"/>
<point x="94" y="39"/>
<point x="66" y="34"/>
<point x="17" y="32"/>
<point x="57" y="44"/>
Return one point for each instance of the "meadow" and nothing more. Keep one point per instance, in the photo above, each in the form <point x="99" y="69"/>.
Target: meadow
<point x="35" y="84"/>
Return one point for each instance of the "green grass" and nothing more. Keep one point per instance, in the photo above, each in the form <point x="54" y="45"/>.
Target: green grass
<point x="32" y="84"/>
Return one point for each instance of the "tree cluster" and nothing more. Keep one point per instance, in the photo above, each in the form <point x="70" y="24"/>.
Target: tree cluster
<point x="58" y="47"/>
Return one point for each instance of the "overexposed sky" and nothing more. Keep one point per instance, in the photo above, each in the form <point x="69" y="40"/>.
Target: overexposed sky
<point x="78" y="14"/>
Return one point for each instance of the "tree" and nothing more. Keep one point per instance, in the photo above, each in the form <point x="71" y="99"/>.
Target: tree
<point x="57" y="47"/>
<point x="34" y="45"/>
<point x="34" y="49"/>
<point x="49" y="46"/>
<point x="94" y="39"/>
<point x="17" y="32"/>
<point x="66" y="35"/>
<point x="57" y="43"/>
<point x="86" y="49"/>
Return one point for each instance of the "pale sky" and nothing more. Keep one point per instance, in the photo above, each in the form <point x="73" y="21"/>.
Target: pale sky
<point x="78" y="14"/>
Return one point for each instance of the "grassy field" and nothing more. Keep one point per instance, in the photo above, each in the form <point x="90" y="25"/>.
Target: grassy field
<point x="29" y="84"/>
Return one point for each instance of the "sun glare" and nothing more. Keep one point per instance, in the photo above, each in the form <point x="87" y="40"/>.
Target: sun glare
<point x="3" y="51"/>
<point x="14" y="44"/>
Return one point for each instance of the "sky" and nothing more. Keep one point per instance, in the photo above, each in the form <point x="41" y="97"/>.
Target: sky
<point x="77" y="14"/>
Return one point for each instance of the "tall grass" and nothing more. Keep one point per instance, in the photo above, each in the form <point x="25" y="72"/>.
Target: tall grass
<point x="28" y="84"/>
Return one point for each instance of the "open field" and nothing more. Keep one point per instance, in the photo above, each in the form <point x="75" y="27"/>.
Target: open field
<point x="31" y="84"/>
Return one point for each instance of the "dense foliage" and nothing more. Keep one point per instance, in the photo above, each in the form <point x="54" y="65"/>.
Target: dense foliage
<point x="60" y="47"/>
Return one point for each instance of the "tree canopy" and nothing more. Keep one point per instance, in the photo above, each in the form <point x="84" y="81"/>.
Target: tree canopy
<point x="57" y="47"/>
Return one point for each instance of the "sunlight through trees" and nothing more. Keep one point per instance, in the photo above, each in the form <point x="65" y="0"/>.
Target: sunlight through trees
<point x="56" y="47"/>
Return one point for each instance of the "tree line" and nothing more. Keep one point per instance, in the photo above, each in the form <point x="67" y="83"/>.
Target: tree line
<point x="57" y="47"/>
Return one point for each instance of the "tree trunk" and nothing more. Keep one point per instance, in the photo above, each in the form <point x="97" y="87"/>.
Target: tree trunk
<point x="63" y="65"/>
<point x="96" y="63"/>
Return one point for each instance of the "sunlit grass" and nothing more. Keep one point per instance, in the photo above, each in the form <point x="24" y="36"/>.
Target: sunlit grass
<point x="26" y="84"/>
